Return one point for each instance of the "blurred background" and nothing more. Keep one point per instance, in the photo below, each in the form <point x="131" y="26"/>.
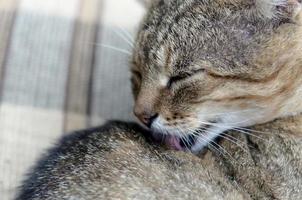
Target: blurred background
<point x="63" y="67"/>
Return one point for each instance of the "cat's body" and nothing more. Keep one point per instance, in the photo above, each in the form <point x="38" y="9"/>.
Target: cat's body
<point x="117" y="162"/>
<point x="201" y="67"/>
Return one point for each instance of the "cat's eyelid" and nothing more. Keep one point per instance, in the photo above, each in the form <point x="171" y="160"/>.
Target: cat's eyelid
<point x="198" y="70"/>
<point x="188" y="74"/>
<point x="183" y="76"/>
<point x="191" y="73"/>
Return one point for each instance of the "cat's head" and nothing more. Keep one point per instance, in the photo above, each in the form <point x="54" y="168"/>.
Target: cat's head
<point x="224" y="63"/>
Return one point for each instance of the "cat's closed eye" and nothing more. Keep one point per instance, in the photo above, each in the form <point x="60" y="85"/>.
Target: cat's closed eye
<point x="182" y="76"/>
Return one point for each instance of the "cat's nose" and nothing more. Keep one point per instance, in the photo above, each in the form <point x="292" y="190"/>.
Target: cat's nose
<point x="145" y="116"/>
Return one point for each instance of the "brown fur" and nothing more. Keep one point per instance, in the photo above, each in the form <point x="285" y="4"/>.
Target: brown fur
<point x="117" y="162"/>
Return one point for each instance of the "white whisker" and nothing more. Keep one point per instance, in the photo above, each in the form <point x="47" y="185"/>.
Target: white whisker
<point x="231" y="112"/>
<point x="240" y="122"/>
<point x="200" y="136"/>
<point x="250" y="134"/>
<point x="182" y="138"/>
<point x="255" y="131"/>
<point x="184" y="142"/>
<point x="235" y="142"/>
<point x="163" y="138"/>
<point x="223" y="149"/>
<point x="184" y="134"/>
<point x="229" y="136"/>
<point x="114" y="48"/>
<point x="127" y="34"/>
<point x="244" y="128"/>
<point x="124" y="38"/>
<point x="231" y="128"/>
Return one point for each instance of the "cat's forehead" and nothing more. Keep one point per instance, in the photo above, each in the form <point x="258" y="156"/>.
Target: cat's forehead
<point x="187" y="33"/>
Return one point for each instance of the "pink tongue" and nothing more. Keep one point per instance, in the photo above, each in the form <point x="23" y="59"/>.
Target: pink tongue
<point x="174" y="142"/>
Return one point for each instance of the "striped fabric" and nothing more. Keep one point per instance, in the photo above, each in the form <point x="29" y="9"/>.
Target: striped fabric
<point x="59" y="71"/>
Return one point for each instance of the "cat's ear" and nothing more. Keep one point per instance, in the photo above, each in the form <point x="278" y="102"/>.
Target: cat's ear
<point x="289" y="9"/>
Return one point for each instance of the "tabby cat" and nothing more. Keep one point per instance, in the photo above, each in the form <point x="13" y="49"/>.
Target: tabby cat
<point x="201" y="67"/>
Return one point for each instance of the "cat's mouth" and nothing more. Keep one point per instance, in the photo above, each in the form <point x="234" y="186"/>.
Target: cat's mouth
<point x="191" y="141"/>
<point x="175" y="142"/>
<point x="180" y="144"/>
<point x="183" y="143"/>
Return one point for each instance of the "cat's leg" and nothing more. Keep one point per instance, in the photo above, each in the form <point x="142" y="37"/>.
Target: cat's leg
<point x="206" y="137"/>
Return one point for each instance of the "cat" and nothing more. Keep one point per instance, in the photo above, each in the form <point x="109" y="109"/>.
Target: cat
<point x="121" y="161"/>
<point x="202" y="67"/>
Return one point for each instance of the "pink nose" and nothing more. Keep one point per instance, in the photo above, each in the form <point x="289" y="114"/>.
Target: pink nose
<point x="145" y="115"/>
